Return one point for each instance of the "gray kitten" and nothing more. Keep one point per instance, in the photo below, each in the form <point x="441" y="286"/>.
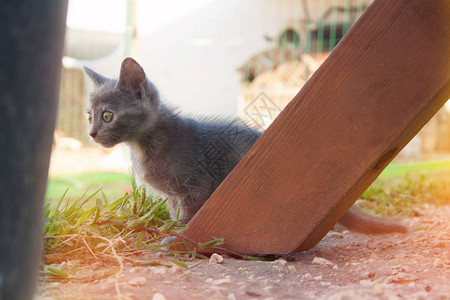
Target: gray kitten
<point x="183" y="158"/>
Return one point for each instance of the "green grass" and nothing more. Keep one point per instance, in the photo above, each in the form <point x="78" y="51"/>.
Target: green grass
<point x="90" y="214"/>
<point x="424" y="167"/>
<point x="402" y="187"/>
<point x="113" y="185"/>
<point x="397" y="187"/>
<point x="105" y="219"/>
<point x="119" y="229"/>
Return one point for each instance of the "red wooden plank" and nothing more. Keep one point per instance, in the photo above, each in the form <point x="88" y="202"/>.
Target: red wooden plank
<point x="382" y="83"/>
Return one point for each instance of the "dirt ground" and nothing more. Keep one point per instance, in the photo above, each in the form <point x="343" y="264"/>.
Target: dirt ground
<point x="343" y="265"/>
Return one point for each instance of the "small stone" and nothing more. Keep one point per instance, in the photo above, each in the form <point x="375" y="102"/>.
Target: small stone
<point x="158" y="296"/>
<point x="368" y="275"/>
<point x="218" y="288"/>
<point x="318" y="277"/>
<point x="322" y="261"/>
<point x="335" y="267"/>
<point x="438" y="263"/>
<point x="280" y="261"/>
<point x="137" y="281"/>
<point x="292" y="269"/>
<point x="221" y="281"/>
<point x="397" y="270"/>
<point x="335" y="234"/>
<point x="216" y="259"/>
<point x="231" y="297"/>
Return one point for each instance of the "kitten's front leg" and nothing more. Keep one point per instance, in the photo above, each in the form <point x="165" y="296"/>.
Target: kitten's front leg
<point x="177" y="210"/>
<point x="174" y="210"/>
<point x="184" y="208"/>
<point x="167" y="241"/>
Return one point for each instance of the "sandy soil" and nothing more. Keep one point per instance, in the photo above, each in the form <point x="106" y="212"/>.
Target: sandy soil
<point x="343" y="265"/>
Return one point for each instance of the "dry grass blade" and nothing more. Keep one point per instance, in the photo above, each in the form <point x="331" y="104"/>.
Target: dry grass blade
<point x="115" y="230"/>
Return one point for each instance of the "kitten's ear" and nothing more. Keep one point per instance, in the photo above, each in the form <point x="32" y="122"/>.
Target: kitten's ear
<point x="132" y="79"/>
<point x="97" y="78"/>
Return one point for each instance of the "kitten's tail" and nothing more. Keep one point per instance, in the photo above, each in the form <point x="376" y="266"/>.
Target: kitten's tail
<point x="364" y="223"/>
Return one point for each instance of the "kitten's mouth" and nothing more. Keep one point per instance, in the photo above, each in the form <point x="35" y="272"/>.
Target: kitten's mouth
<point x="105" y="144"/>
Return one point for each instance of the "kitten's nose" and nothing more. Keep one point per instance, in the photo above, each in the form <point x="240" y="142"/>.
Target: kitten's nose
<point x="93" y="134"/>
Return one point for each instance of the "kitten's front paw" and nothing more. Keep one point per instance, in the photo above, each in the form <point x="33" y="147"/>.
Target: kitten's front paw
<point x="168" y="241"/>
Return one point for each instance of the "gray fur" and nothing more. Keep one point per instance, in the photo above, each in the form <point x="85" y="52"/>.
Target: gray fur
<point x="183" y="158"/>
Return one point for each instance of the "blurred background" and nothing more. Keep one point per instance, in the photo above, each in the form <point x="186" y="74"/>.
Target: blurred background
<point x="207" y="57"/>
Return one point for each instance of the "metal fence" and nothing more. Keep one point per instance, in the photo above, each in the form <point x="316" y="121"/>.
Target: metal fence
<point x="71" y="121"/>
<point x="273" y="77"/>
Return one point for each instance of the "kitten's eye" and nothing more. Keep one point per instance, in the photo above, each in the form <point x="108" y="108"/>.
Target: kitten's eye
<point x="107" y="116"/>
<point x="90" y="119"/>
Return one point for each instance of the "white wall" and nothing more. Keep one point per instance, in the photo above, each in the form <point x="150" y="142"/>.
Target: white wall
<point x="194" y="59"/>
<point x="191" y="49"/>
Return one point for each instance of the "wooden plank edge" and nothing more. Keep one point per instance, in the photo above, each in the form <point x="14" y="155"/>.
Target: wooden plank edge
<point x="378" y="166"/>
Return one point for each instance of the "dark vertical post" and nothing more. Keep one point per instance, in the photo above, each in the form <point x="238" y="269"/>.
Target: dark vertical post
<point x="31" y="43"/>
